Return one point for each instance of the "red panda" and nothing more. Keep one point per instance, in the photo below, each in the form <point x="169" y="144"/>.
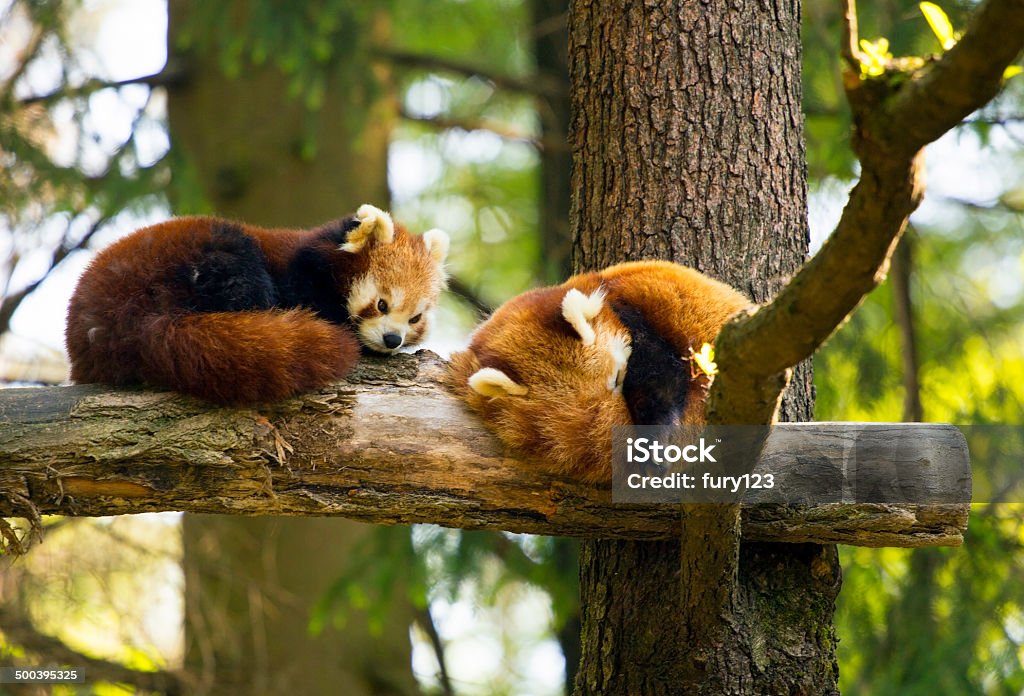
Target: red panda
<point x="237" y="314"/>
<point x="554" y="369"/>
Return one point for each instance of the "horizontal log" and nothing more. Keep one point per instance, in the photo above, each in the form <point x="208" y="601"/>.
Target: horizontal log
<point x="387" y="446"/>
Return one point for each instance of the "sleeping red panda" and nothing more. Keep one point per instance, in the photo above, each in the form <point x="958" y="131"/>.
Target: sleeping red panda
<point x="237" y="314"/>
<point x="554" y="369"/>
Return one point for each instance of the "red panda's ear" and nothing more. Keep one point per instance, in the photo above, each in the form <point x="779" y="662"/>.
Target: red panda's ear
<point x="578" y="309"/>
<point x="437" y="243"/>
<point x="375" y="225"/>
<point x="488" y="381"/>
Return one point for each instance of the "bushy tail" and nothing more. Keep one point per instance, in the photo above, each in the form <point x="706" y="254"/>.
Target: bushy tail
<point x="244" y="357"/>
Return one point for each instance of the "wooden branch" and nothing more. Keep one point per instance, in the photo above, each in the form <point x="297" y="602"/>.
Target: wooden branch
<point x="471" y="124"/>
<point x="9" y="303"/>
<point x="539" y="85"/>
<point x="462" y="290"/>
<point x="894" y="118"/>
<point x="389" y="446"/>
<point x="849" y="48"/>
<point x="171" y="76"/>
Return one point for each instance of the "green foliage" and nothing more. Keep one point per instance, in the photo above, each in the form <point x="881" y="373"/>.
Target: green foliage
<point x="448" y="564"/>
<point x="382" y="563"/>
<point x="90" y="584"/>
<point x="304" y="43"/>
<point x="876" y="59"/>
<point x="74" y="154"/>
<point x="492" y="34"/>
<point x="938" y="620"/>
<point x="483" y="173"/>
<point x="932" y="621"/>
<point x="900" y="23"/>
<point x="315" y="46"/>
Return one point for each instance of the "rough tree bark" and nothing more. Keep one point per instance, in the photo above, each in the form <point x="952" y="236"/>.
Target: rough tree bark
<point x="252" y="582"/>
<point x="688" y="144"/>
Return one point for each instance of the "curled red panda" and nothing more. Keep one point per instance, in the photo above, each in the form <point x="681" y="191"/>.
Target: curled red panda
<point x="554" y="369"/>
<point x="237" y="314"/>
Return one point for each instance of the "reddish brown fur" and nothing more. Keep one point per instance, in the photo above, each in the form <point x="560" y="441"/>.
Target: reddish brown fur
<point x="126" y="324"/>
<point x="269" y="355"/>
<point x="564" y="422"/>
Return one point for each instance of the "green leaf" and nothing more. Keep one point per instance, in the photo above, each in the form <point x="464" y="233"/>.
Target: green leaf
<point x="940" y="24"/>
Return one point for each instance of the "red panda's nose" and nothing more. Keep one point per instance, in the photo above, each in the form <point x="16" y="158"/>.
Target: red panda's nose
<point x="392" y="340"/>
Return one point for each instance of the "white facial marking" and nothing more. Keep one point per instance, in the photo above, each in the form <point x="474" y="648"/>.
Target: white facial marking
<point x="488" y="381"/>
<point x="362" y="293"/>
<point x="578" y="309"/>
<point x="372" y="330"/>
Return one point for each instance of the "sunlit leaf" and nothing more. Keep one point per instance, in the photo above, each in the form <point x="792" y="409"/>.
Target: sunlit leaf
<point x="875" y="56"/>
<point x="1012" y="71"/>
<point x="940" y="24"/>
<point x="705" y="359"/>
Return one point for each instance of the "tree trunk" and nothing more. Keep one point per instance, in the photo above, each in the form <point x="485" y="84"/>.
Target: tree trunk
<point x="688" y="145"/>
<point x="251" y="583"/>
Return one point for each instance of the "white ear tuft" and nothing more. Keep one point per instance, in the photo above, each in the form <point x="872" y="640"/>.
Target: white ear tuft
<point x="578" y="309"/>
<point x="488" y="381"/>
<point x="374" y="225"/>
<point x="437" y="243"/>
<point x="620" y="349"/>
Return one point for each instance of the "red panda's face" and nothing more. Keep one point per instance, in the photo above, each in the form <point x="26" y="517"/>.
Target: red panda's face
<point x="390" y="304"/>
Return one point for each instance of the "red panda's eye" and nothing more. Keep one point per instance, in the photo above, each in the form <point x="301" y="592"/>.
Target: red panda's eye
<point x="416" y="319"/>
<point x="382" y="306"/>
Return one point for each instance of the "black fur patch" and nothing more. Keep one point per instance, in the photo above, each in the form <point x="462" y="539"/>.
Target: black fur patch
<point x="310" y="282"/>
<point x="657" y="379"/>
<point x="230" y="275"/>
<point x="337" y="231"/>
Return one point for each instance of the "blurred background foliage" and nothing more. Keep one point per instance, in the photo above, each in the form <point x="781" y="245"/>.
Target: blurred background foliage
<point x="86" y="157"/>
